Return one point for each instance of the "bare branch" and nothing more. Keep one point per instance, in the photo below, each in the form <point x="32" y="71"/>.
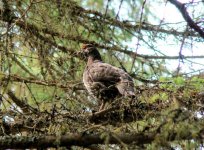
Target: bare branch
<point x="36" y="31"/>
<point x="15" y="78"/>
<point x="181" y="7"/>
<point x="23" y="105"/>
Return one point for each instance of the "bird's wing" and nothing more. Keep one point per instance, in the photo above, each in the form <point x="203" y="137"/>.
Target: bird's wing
<point x="103" y="72"/>
<point x="109" y="76"/>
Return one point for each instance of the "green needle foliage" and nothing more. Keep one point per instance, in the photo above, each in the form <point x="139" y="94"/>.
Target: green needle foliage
<point x="43" y="102"/>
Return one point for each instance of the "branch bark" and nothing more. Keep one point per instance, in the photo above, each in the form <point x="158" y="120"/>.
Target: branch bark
<point x="84" y="140"/>
<point x="73" y="140"/>
<point x="181" y="7"/>
<point x="36" y="31"/>
<point x="23" y="105"/>
<point x="127" y="25"/>
<point x="15" y="78"/>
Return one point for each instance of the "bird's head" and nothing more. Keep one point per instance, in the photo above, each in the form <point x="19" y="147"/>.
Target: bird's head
<point x="89" y="50"/>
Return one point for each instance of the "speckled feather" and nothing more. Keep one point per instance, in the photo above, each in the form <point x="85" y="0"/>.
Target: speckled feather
<point x="103" y="80"/>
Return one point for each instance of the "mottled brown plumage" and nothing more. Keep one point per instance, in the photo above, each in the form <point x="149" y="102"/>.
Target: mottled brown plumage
<point x="104" y="81"/>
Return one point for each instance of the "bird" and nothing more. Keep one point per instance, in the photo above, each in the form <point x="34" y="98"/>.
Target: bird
<point x="104" y="81"/>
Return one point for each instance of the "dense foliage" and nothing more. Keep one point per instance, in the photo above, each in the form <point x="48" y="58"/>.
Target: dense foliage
<point x="44" y="102"/>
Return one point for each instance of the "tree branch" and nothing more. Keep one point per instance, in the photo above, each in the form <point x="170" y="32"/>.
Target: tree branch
<point x="85" y="140"/>
<point x="127" y="25"/>
<point x="15" y="78"/>
<point x="72" y="140"/>
<point x="181" y="7"/>
<point x="36" y="31"/>
<point x="23" y="105"/>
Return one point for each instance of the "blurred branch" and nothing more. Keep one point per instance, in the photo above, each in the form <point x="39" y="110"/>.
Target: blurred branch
<point x="82" y="40"/>
<point x="84" y="140"/>
<point x="20" y="64"/>
<point x="20" y="103"/>
<point x="171" y="57"/>
<point x="18" y="126"/>
<point x="15" y="78"/>
<point x="135" y="27"/>
<point x="181" y="7"/>
<point x="126" y="114"/>
<point x="37" y="32"/>
<point x="72" y="140"/>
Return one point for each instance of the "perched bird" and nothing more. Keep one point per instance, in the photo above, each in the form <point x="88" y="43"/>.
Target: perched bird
<point x="104" y="81"/>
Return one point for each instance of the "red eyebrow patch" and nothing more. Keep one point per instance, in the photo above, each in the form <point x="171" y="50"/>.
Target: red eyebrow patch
<point x="84" y="46"/>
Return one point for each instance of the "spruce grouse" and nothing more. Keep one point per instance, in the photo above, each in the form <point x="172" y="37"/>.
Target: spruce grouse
<point x="104" y="81"/>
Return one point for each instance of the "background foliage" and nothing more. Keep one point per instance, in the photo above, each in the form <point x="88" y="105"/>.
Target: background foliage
<point x="42" y="94"/>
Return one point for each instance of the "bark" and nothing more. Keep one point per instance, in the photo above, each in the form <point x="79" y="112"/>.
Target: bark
<point x="86" y="140"/>
<point x="22" y="104"/>
<point x="68" y="140"/>
<point x="181" y="7"/>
